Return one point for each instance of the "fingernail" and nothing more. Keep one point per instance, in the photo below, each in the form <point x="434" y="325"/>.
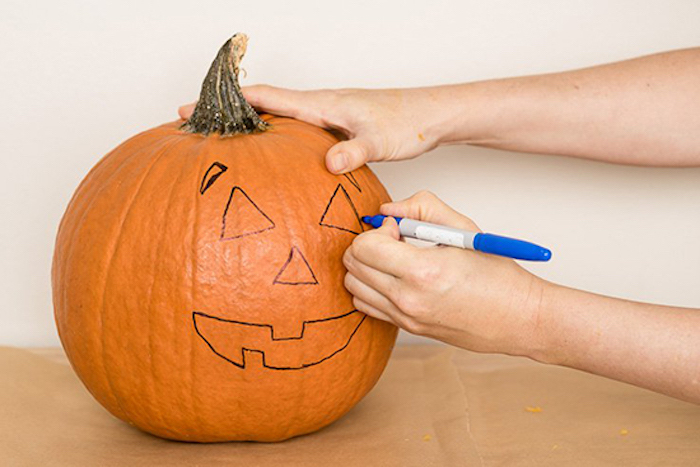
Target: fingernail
<point x="339" y="163"/>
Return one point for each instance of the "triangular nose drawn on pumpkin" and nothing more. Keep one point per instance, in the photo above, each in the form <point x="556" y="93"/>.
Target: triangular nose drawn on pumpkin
<point x="341" y="213"/>
<point x="242" y="217"/>
<point x="296" y="270"/>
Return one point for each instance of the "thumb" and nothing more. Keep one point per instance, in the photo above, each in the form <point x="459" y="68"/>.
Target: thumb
<point x="349" y="155"/>
<point x="389" y="228"/>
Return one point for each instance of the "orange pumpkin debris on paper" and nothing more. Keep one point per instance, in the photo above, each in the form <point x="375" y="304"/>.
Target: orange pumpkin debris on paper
<point x="198" y="280"/>
<point x="533" y="409"/>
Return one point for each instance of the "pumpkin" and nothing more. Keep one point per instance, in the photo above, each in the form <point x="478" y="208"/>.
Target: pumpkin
<point x="198" y="278"/>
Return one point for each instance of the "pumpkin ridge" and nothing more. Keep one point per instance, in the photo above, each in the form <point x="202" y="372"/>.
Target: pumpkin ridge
<point x="108" y="267"/>
<point x="200" y="149"/>
<point x="79" y="191"/>
<point x="147" y="134"/>
<point x="184" y="163"/>
<point x="71" y="233"/>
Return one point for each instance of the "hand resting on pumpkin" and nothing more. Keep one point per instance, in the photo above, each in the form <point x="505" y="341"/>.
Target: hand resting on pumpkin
<point x="637" y="112"/>
<point x="381" y="124"/>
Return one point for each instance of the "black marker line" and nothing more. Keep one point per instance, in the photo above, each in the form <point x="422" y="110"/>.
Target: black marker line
<point x="352" y="205"/>
<point x="289" y="260"/>
<point x="222" y="168"/>
<point x="351" y="179"/>
<point x="228" y="204"/>
<point x="303" y="328"/>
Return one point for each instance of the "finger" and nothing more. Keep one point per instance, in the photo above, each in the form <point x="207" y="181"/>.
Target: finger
<point x="309" y="106"/>
<point x="350" y="155"/>
<point x="386" y="284"/>
<point x="368" y="295"/>
<point x="304" y="105"/>
<point x="371" y="311"/>
<point x="427" y="207"/>
<point x="186" y="110"/>
<point x="384" y="253"/>
<point x="279" y="101"/>
<point x="389" y="228"/>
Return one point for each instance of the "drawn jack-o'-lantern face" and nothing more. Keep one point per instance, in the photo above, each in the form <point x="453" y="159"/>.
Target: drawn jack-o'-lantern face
<point x="198" y="284"/>
<point x="282" y="271"/>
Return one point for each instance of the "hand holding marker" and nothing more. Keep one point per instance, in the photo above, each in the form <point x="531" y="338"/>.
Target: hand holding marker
<point x="484" y="242"/>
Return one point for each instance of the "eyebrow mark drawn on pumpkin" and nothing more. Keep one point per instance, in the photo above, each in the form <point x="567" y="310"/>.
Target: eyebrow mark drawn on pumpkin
<point x="351" y="179"/>
<point x="240" y="208"/>
<point x="296" y="270"/>
<point x="218" y="169"/>
<point x="205" y="317"/>
<point x="334" y="216"/>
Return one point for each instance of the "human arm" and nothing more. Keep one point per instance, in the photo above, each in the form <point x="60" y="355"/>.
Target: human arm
<point x="486" y="303"/>
<point x="644" y="111"/>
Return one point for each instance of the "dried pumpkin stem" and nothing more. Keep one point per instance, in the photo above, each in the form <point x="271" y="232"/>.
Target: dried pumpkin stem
<point x="222" y="108"/>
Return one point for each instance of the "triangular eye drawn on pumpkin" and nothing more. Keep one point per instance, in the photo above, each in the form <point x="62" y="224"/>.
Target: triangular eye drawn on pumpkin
<point x="351" y="178"/>
<point x="242" y="217"/>
<point x="341" y="213"/>
<point x="213" y="172"/>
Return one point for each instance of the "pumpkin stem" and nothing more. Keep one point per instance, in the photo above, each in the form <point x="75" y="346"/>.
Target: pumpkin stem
<point x="221" y="107"/>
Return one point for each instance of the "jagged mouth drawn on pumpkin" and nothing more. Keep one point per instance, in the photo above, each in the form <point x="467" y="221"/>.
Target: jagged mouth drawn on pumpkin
<point x="232" y="339"/>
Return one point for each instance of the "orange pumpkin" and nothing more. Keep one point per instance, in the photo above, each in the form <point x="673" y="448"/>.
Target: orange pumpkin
<point x="198" y="280"/>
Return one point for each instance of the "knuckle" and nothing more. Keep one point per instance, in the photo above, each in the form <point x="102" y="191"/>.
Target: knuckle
<point x="359" y="305"/>
<point x="408" y="303"/>
<point x="348" y="259"/>
<point x="359" y="244"/>
<point x="349" y="282"/>
<point x="425" y="275"/>
<point x="425" y="195"/>
<point x="354" y="246"/>
<point x="413" y="326"/>
<point x="393" y="292"/>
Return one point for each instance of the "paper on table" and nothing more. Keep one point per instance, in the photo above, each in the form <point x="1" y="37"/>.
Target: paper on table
<point x="48" y="418"/>
<point x="520" y="414"/>
<point x="523" y="413"/>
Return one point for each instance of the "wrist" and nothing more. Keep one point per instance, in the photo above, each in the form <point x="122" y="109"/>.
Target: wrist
<point x="556" y="332"/>
<point x="526" y="316"/>
<point x="471" y="113"/>
<point x="439" y="111"/>
<point x="540" y="345"/>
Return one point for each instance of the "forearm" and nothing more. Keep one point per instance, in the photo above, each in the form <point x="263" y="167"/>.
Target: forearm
<point x="644" y="111"/>
<point x="656" y="347"/>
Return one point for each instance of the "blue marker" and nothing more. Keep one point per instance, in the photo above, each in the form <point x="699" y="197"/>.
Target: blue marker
<point x="484" y="242"/>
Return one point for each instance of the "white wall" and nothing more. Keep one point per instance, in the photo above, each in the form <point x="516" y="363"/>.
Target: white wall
<point x="79" y="77"/>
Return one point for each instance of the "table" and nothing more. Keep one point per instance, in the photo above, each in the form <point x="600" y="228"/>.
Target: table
<point x="435" y="405"/>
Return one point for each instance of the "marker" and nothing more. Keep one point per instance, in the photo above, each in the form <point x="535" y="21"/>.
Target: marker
<point x="484" y="242"/>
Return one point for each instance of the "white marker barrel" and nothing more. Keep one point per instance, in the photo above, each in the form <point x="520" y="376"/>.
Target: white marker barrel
<point x="437" y="233"/>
